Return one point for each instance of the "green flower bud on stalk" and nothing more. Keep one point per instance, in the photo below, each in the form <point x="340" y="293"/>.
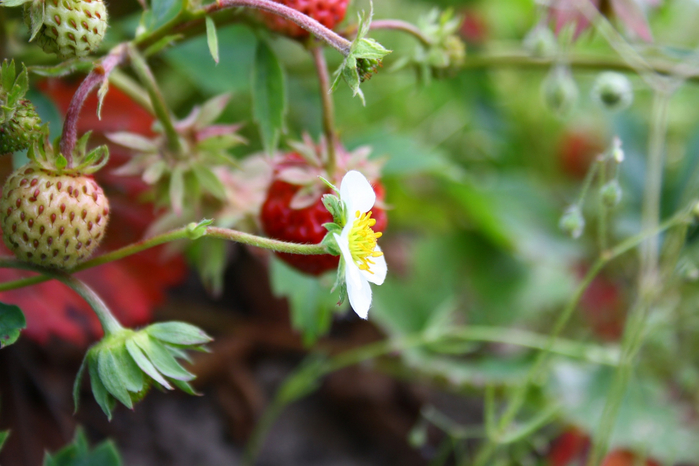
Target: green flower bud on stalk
<point x="611" y="193"/>
<point x="572" y="222"/>
<point x="560" y="91"/>
<point x="124" y="365"/>
<point x="540" y="42"/>
<point x="613" y="91"/>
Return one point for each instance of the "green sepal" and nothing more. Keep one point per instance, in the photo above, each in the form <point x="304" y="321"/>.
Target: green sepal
<point x="161" y="358"/>
<point x="178" y="333"/>
<point x="99" y="391"/>
<point x="185" y="387"/>
<point x="77" y="384"/>
<point x="11" y="3"/>
<point x="112" y="378"/>
<point x="145" y="365"/>
<point x="364" y="58"/>
<point x="329" y="242"/>
<point x="336" y="208"/>
<point x="129" y="371"/>
<point x="197" y="230"/>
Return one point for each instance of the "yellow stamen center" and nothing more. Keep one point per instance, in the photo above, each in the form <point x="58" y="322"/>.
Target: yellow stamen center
<point x="362" y="241"/>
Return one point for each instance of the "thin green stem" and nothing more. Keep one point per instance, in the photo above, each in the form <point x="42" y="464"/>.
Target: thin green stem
<point x="602" y="206"/>
<point x="328" y="109"/>
<point x="132" y="89"/>
<point x="649" y="282"/>
<point x="109" y="323"/>
<point x="174" y="235"/>
<point x="162" y="112"/>
<point x="517" y="401"/>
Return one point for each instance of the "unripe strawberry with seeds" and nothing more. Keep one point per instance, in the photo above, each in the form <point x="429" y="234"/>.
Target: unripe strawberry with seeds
<point x="19" y="122"/>
<point x="68" y="28"/>
<point x="329" y="13"/>
<point x="293" y="210"/>
<point x="51" y="216"/>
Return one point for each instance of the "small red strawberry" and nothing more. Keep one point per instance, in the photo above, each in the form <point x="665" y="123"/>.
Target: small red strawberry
<point x="327" y="12"/>
<point x="293" y="210"/>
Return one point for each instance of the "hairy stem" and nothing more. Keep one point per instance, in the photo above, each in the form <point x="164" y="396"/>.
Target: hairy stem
<point x="174" y="235"/>
<point x="98" y="75"/>
<point x="403" y="26"/>
<point x="109" y="323"/>
<point x="162" y="112"/>
<point x="307" y="23"/>
<point x="328" y="109"/>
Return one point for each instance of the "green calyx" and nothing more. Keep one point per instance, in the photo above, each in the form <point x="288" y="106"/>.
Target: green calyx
<point x="19" y="122"/>
<point x="363" y="60"/>
<point x="443" y="52"/>
<point x="191" y="175"/>
<point x="124" y="365"/>
<point x="49" y="157"/>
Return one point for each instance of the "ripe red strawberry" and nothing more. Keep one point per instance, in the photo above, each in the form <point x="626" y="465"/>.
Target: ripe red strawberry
<point x="304" y="225"/>
<point x="327" y="12"/>
<point x="50" y="219"/>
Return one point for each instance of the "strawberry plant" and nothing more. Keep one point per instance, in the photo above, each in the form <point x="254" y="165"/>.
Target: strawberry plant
<point x="259" y="147"/>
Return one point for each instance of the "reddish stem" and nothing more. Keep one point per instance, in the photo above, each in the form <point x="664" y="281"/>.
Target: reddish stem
<point x="331" y="38"/>
<point x="97" y="76"/>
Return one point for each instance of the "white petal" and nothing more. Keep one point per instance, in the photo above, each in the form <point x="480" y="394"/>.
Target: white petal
<point x="379" y="269"/>
<point x="358" y="288"/>
<point x="357" y="193"/>
<point x="359" y="295"/>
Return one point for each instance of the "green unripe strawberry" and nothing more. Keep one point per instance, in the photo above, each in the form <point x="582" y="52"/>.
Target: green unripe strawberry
<point x="17" y="133"/>
<point x="19" y="122"/>
<point x="50" y="219"/>
<point x="68" y="28"/>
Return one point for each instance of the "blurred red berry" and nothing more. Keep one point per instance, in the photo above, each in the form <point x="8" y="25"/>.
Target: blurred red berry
<point x="304" y="225"/>
<point x="329" y="13"/>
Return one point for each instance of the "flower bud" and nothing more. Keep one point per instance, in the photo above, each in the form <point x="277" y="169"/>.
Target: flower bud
<point x="611" y="193"/>
<point x="572" y="222"/>
<point x="540" y="42"/>
<point x="617" y="151"/>
<point x="560" y="91"/>
<point x="613" y="91"/>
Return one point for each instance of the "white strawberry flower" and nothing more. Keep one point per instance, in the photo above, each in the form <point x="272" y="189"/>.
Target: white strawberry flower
<point x="363" y="260"/>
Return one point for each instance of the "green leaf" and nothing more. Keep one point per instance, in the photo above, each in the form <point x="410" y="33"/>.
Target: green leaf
<point x="179" y="333"/>
<point x="163" y="11"/>
<point x="3" y="438"/>
<point x="310" y="299"/>
<point x="269" y="96"/>
<point x="12" y="322"/>
<point x="102" y="396"/>
<point x="78" y="453"/>
<point x="145" y="365"/>
<point x="212" y="38"/>
<point x="161" y="358"/>
<point x="112" y="378"/>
